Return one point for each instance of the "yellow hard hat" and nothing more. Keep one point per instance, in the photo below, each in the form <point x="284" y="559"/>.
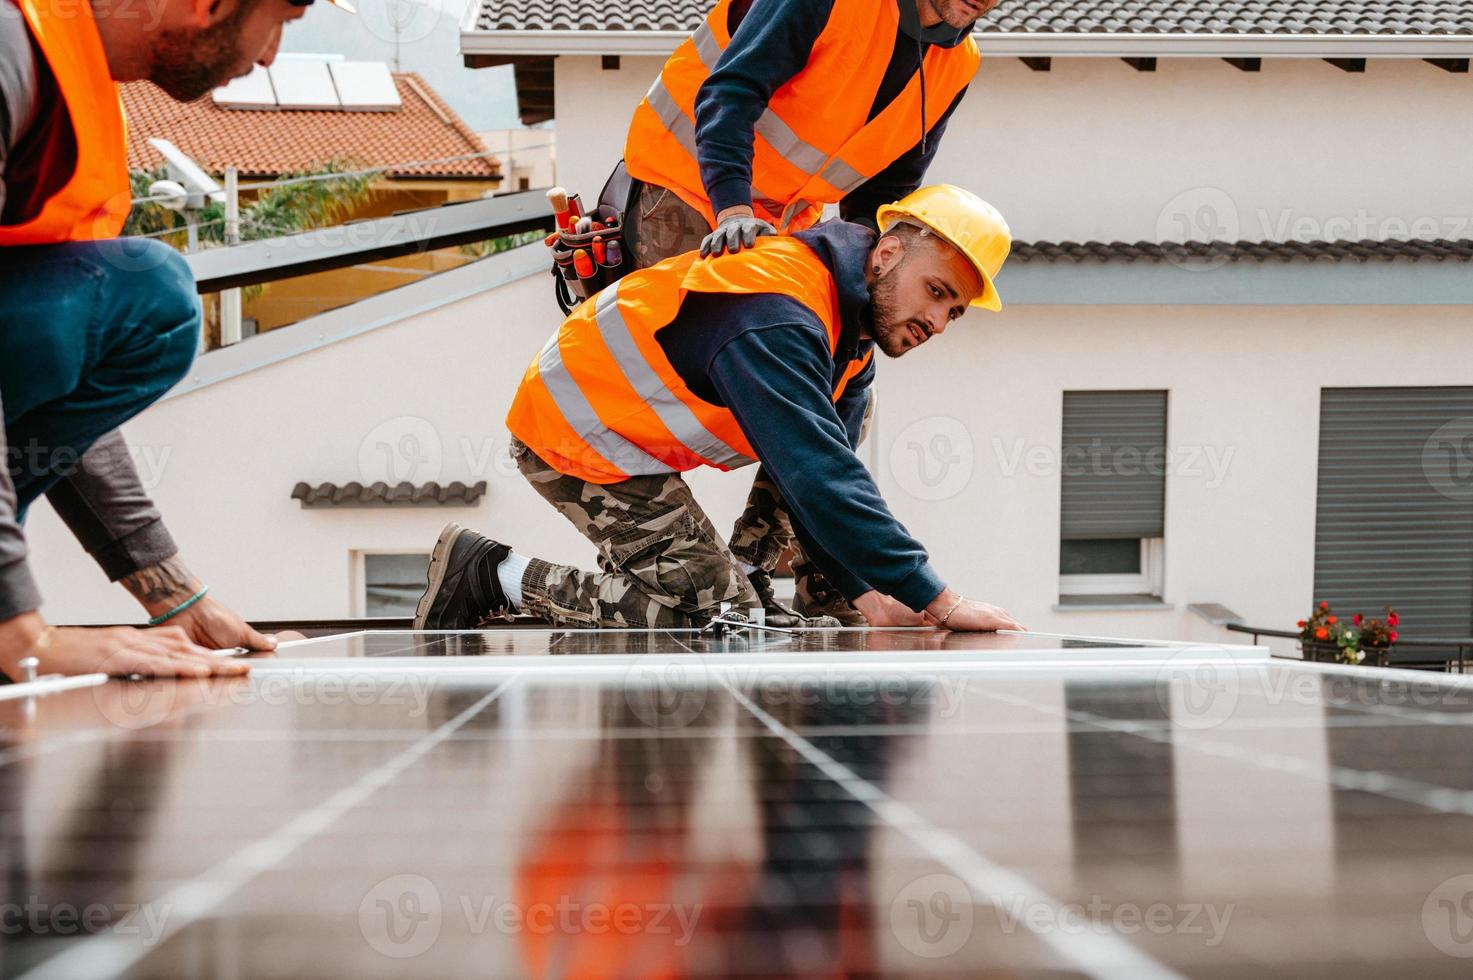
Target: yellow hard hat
<point x="968" y="223"/>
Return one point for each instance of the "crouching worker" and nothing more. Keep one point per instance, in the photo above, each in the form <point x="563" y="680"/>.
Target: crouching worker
<point x="763" y="355"/>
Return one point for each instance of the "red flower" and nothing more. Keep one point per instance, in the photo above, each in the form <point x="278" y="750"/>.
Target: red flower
<point x="1324" y="605"/>
<point x="1357" y="618"/>
<point x="1332" y="620"/>
<point x="1321" y="634"/>
<point x="1393" y="636"/>
<point x="1301" y="624"/>
<point x="1393" y="619"/>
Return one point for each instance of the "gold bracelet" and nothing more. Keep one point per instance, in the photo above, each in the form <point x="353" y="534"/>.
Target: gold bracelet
<point x="954" y="607"/>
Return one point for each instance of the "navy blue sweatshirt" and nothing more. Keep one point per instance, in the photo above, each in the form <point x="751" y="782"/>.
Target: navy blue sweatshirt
<point x="766" y="358"/>
<point x="769" y="48"/>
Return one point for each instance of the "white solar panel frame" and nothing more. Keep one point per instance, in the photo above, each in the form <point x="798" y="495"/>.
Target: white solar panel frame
<point x="252" y="91"/>
<point x="365" y="86"/>
<point x="304" y="85"/>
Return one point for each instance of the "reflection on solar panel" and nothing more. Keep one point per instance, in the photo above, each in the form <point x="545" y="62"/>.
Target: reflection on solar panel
<point x="365" y="86"/>
<point x="251" y="91"/>
<point x="303" y="85"/>
<point x="842" y="803"/>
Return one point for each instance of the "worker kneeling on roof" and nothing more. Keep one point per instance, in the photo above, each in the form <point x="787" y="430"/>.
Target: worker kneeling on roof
<point x="766" y="354"/>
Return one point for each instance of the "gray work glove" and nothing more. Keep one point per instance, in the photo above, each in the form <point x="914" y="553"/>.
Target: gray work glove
<point x="735" y="233"/>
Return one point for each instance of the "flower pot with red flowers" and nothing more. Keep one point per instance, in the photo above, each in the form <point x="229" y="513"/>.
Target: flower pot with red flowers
<point x="1323" y="638"/>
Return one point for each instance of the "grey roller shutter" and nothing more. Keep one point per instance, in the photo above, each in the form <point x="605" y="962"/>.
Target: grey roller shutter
<point x="1394" y="523"/>
<point x="1114" y="464"/>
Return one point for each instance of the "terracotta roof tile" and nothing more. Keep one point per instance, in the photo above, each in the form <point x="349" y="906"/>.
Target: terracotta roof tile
<point x="1369" y="250"/>
<point x="1041" y="16"/>
<point x="267" y="143"/>
<point x="381" y="494"/>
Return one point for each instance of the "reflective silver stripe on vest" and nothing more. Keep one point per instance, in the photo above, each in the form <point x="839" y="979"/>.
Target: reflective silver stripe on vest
<point x="672" y="117"/>
<point x="674" y="413"/>
<point x="707" y="47"/>
<point x="678" y="125"/>
<point x="770" y="126"/>
<point x="794" y="209"/>
<point x="843" y="176"/>
<point x="789" y="145"/>
<point x="579" y="414"/>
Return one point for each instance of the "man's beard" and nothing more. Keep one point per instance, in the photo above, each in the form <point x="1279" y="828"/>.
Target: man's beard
<point x="891" y="329"/>
<point x="187" y="64"/>
<point x="954" y="14"/>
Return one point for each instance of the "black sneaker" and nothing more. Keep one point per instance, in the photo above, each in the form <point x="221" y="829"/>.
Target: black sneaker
<point x="779" y="615"/>
<point x="817" y="599"/>
<point x="463" y="590"/>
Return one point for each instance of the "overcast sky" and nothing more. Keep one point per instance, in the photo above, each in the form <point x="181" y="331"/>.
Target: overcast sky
<point x="428" y="43"/>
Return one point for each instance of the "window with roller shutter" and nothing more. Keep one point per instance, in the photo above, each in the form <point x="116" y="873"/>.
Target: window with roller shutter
<point x="1394" y="514"/>
<point x="1113" y="496"/>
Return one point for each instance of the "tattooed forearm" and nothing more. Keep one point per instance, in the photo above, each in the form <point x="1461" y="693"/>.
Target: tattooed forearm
<point x="168" y="581"/>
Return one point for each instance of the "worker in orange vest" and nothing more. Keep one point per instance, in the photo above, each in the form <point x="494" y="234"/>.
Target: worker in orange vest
<point x="754" y="124"/>
<point x="765" y="354"/>
<point x="93" y="328"/>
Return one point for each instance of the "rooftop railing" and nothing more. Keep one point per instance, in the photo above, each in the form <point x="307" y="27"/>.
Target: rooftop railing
<point x="1450" y="654"/>
<point x="406" y="233"/>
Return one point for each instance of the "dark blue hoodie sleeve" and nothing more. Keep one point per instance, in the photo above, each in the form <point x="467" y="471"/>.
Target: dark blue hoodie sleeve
<point x="772" y="378"/>
<point x="773" y="43"/>
<point x="904" y="175"/>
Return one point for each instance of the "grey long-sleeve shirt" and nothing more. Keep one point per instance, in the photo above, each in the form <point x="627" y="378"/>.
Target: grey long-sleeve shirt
<point x="103" y="501"/>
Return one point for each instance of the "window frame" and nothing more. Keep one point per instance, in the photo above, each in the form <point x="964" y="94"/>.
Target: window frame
<point x="1148" y="581"/>
<point x="358" y="576"/>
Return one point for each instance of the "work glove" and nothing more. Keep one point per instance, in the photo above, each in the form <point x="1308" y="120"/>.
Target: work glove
<point x="735" y="233"/>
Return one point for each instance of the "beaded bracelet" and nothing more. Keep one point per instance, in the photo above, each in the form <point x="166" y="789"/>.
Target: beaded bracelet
<point x="159" y="620"/>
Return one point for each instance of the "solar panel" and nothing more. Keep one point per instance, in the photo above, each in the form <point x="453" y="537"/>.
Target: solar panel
<point x="252" y="91"/>
<point x="303" y="85"/>
<point x="365" y="86"/>
<point x="840" y="803"/>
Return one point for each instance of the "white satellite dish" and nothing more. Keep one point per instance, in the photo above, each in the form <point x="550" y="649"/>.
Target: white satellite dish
<point x="188" y="174"/>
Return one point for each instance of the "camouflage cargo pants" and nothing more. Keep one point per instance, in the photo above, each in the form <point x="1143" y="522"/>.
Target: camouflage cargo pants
<point x="763" y="531"/>
<point x="662" y="563"/>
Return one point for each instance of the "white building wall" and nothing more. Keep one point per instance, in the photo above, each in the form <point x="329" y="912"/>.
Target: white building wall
<point x="1097" y="150"/>
<point x="1243" y="428"/>
<point x="1092" y="149"/>
<point x="529" y="153"/>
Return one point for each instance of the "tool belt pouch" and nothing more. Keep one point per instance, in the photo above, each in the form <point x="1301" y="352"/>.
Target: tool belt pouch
<point x="577" y="281"/>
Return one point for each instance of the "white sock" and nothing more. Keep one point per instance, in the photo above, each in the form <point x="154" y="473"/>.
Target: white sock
<point x="749" y="569"/>
<point x="509" y="573"/>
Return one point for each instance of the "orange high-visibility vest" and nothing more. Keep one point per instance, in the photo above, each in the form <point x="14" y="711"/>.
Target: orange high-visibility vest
<point x="813" y="144"/>
<point x="602" y="402"/>
<point x="95" y="201"/>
